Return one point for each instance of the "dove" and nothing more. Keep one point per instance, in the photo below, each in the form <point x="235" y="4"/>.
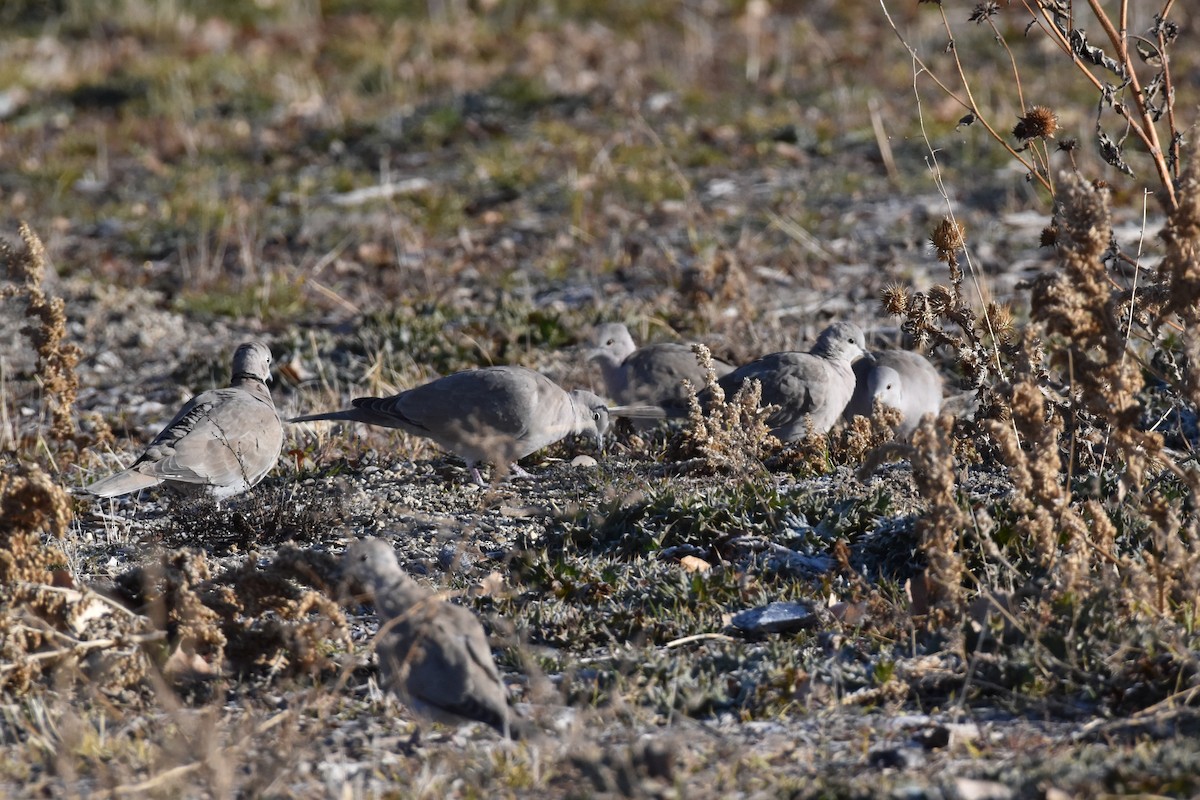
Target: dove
<point x="811" y="389"/>
<point x="222" y="441"/>
<point x="652" y="374"/>
<point x="433" y="654"/>
<point x="497" y="414"/>
<point x="900" y="379"/>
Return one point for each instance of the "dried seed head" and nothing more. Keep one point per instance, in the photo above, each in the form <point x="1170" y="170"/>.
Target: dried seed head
<point x="1068" y="145"/>
<point x="1001" y="317"/>
<point x="894" y="299"/>
<point x="1167" y="29"/>
<point x="1038" y="123"/>
<point x="947" y="237"/>
<point x="1049" y="236"/>
<point x="972" y="366"/>
<point x="941" y="300"/>
<point x="983" y="11"/>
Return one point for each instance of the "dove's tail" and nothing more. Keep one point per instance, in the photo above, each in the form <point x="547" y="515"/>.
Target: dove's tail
<point x="122" y="483"/>
<point x="364" y="411"/>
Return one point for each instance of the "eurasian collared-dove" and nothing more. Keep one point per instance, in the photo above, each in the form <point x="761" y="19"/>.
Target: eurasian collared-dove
<point x="900" y="379"/>
<point x="652" y="374"/>
<point x="434" y="655"/>
<point x="496" y="414"/>
<point x="223" y="441"/>
<point x="811" y="389"/>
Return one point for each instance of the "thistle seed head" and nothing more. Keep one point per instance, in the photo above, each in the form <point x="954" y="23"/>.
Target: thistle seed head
<point x="1038" y="123"/>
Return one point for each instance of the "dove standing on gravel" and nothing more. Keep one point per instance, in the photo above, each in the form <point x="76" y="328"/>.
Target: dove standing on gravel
<point x="651" y="374"/>
<point x="900" y="379"/>
<point x="434" y="655"/>
<point x="223" y="441"/>
<point x="811" y="389"/>
<point x="496" y="414"/>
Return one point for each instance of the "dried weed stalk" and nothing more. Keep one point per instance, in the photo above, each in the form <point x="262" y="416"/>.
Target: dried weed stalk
<point x="1178" y="280"/>
<point x="167" y="593"/>
<point x="1167" y="583"/>
<point x="47" y="331"/>
<point x="730" y="437"/>
<point x="941" y="527"/>
<point x="1078" y="304"/>
<point x="1176" y="289"/>
<point x="1048" y="524"/>
<point x="31" y="505"/>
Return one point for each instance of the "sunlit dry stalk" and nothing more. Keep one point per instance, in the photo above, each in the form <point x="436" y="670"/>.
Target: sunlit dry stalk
<point x="47" y="331"/>
<point x="1077" y="304"/>
<point x="729" y="435"/>
<point x="1179" y="273"/>
<point x="941" y="527"/>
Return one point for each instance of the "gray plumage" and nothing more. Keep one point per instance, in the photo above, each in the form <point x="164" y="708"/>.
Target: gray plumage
<point x="651" y="374"/>
<point x="900" y="379"/>
<point x="434" y="655"/>
<point x="811" y="389"/>
<point x="223" y="441"/>
<point x="494" y="414"/>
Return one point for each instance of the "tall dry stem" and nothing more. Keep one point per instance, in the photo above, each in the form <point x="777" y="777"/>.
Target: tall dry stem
<point x="47" y="331"/>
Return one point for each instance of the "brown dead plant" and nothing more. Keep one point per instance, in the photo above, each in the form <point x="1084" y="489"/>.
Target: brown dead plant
<point x="49" y="628"/>
<point x="1079" y="307"/>
<point x="47" y="330"/>
<point x="855" y="440"/>
<point x="251" y="617"/>
<point x="724" y="436"/>
<point x="1098" y="529"/>
<point x="941" y="526"/>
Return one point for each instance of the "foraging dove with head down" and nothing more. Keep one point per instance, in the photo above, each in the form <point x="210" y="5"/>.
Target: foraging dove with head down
<point x="652" y="374"/>
<point x="434" y="655"/>
<point x="223" y="441"/>
<point x="811" y="389"/>
<point x="497" y="414"/>
<point x="900" y="379"/>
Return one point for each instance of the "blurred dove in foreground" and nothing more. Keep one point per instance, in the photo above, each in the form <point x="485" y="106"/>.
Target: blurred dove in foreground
<point x="651" y="374"/>
<point x="495" y="414"/>
<point x="434" y="655"/>
<point x="900" y="379"/>
<point x="811" y="389"/>
<point x="223" y="441"/>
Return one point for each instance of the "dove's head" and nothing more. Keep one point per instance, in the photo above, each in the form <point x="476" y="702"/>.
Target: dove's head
<point x="592" y="413"/>
<point x="610" y="342"/>
<point x="252" y="360"/>
<point x="369" y="563"/>
<point x="841" y="341"/>
<point x="883" y="384"/>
